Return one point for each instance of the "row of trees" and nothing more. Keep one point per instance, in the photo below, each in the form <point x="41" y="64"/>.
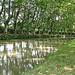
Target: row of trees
<point x="46" y="16"/>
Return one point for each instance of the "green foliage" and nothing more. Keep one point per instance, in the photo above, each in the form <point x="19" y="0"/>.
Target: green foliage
<point x="1" y="29"/>
<point x="41" y="15"/>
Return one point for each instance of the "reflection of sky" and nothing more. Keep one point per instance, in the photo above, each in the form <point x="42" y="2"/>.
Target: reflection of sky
<point x="0" y="7"/>
<point x="1" y="48"/>
<point x="9" y="47"/>
<point x="30" y="45"/>
<point x="17" y="44"/>
<point x="5" y="57"/>
<point x="41" y="47"/>
<point x="30" y="65"/>
<point x="33" y="52"/>
<point x="23" y="44"/>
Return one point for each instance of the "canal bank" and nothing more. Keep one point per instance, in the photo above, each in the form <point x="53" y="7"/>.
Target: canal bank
<point x="23" y="36"/>
<point x="60" y="63"/>
<point x="30" y="36"/>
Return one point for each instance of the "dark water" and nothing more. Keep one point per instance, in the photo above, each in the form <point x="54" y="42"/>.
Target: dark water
<point x="17" y="56"/>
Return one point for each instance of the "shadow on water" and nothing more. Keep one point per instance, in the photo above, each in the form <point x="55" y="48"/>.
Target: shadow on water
<point x="22" y="55"/>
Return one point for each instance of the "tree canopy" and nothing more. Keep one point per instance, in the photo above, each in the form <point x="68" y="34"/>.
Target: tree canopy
<point x="37" y="16"/>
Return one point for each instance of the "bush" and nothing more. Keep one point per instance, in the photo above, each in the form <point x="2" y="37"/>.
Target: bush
<point x="22" y="36"/>
<point x="1" y="29"/>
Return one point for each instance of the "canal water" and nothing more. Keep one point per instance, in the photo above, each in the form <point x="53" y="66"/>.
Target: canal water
<point x="17" y="56"/>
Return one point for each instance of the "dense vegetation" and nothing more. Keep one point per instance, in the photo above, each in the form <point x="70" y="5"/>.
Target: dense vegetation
<point x="60" y="63"/>
<point x="22" y="36"/>
<point x="37" y="16"/>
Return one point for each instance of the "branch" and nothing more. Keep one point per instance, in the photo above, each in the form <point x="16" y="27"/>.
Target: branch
<point x="2" y="7"/>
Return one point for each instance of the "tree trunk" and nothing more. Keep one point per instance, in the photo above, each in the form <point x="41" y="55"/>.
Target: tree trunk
<point x="61" y="31"/>
<point x="15" y="26"/>
<point x="15" y="21"/>
<point x="28" y="32"/>
<point x="70" y="32"/>
<point x="39" y="30"/>
<point x="44" y="30"/>
<point x="34" y="31"/>
<point x="5" y="30"/>
<point x="64" y="31"/>
<point x="47" y="30"/>
<point x="51" y="30"/>
<point x="58" y="32"/>
<point x="67" y="31"/>
<point x="9" y="9"/>
<point x="9" y="17"/>
<point x="2" y="7"/>
<point x="6" y="23"/>
<point x="22" y="29"/>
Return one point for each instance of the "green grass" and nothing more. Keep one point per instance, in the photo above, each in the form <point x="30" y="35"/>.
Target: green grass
<point x="60" y="63"/>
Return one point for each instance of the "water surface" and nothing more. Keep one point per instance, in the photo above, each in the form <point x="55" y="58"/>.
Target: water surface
<point x="17" y="56"/>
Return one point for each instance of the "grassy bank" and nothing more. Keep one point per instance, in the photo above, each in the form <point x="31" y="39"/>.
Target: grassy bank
<point x="26" y="36"/>
<point x="23" y="36"/>
<point x="60" y="63"/>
